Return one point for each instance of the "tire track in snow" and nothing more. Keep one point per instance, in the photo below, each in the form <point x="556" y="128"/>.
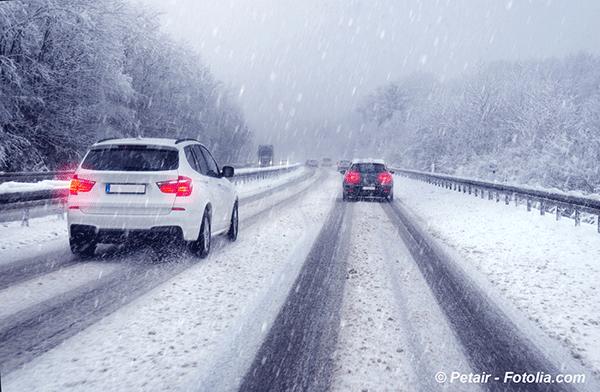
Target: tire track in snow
<point x="393" y="335"/>
<point x="297" y="352"/>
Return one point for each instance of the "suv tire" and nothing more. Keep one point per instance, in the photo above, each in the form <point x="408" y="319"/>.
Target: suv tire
<point x="201" y="247"/>
<point x="233" y="226"/>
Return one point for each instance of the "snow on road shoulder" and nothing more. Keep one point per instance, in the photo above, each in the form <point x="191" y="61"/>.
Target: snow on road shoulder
<point x="13" y="186"/>
<point x="163" y="339"/>
<point x="42" y="235"/>
<point x="549" y="269"/>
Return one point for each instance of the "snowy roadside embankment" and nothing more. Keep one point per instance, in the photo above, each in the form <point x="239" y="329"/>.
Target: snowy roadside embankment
<point x="548" y="269"/>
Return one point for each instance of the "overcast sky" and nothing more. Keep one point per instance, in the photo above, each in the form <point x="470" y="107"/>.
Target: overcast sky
<point x="294" y="61"/>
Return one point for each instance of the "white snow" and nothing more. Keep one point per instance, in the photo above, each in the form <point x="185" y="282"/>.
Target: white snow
<point x="203" y="325"/>
<point x="13" y="186"/>
<point x="44" y="234"/>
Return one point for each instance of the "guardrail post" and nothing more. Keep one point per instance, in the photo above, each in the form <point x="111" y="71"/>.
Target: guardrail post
<point x="558" y="213"/>
<point x="542" y="208"/>
<point x="528" y="204"/>
<point x="577" y="217"/>
<point x="25" y="221"/>
<point x="497" y="197"/>
<point x="506" y="198"/>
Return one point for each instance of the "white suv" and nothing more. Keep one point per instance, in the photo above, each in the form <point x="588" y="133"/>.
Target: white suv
<point x="162" y="190"/>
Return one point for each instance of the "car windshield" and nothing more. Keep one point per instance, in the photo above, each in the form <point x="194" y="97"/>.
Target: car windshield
<point x="131" y="158"/>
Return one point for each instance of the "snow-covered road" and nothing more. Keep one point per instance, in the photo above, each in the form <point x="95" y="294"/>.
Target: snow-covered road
<point x="208" y="321"/>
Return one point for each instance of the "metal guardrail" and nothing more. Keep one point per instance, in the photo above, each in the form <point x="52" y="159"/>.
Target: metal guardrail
<point x="250" y="174"/>
<point x="28" y="199"/>
<point x="33" y="177"/>
<point x="563" y="204"/>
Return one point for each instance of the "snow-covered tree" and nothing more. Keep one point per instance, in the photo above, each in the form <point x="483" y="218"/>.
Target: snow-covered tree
<point x="73" y="72"/>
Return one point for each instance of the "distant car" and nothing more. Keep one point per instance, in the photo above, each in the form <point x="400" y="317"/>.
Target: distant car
<point x="326" y="162"/>
<point x="162" y="190"/>
<point x="368" y="178"/>
<point x="343" y="165"/>
<point x="312" y="163"/>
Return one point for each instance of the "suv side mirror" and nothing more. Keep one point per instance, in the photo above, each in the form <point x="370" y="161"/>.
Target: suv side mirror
<point x="227" y="172"/>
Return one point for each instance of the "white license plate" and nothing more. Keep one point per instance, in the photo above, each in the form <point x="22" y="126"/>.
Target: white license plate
<point x="126" y="188"/>
<point x="368" y="188"/>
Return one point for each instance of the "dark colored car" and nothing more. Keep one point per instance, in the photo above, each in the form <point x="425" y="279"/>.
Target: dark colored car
<point x="368" y="178"/>
<point x="343" y="165"/>
<point x="326" y="162"/>
<point x="312" y="163"/>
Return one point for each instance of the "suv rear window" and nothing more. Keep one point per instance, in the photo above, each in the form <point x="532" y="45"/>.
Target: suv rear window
<point x="131" y="158"/>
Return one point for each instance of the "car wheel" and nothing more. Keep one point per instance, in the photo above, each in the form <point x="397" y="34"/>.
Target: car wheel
<point x="233" y="226"/>
<point x="344" y="196"/>
<point x="201" y="247"/>
<point x="82" y="247"/>
<point x="390" y="197"/>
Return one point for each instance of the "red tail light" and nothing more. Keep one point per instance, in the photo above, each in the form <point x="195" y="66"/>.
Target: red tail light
<point x="182" y="186"/>
<point x="385" y="178"/>
<point x="78" y="185"/>
<point x="352" y="177"/>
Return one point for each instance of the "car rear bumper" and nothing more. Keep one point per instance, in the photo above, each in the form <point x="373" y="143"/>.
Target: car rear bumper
<point x="115" y="236"/>
<point x="128" y="224"/>
<point x="361" y="192"/>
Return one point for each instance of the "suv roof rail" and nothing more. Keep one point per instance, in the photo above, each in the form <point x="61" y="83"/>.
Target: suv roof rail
<point x="186" y="140"/>
<point x="107" y="139"/>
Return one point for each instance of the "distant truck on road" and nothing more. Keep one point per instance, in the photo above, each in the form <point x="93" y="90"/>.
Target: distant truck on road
<point x="266" y="155"/>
